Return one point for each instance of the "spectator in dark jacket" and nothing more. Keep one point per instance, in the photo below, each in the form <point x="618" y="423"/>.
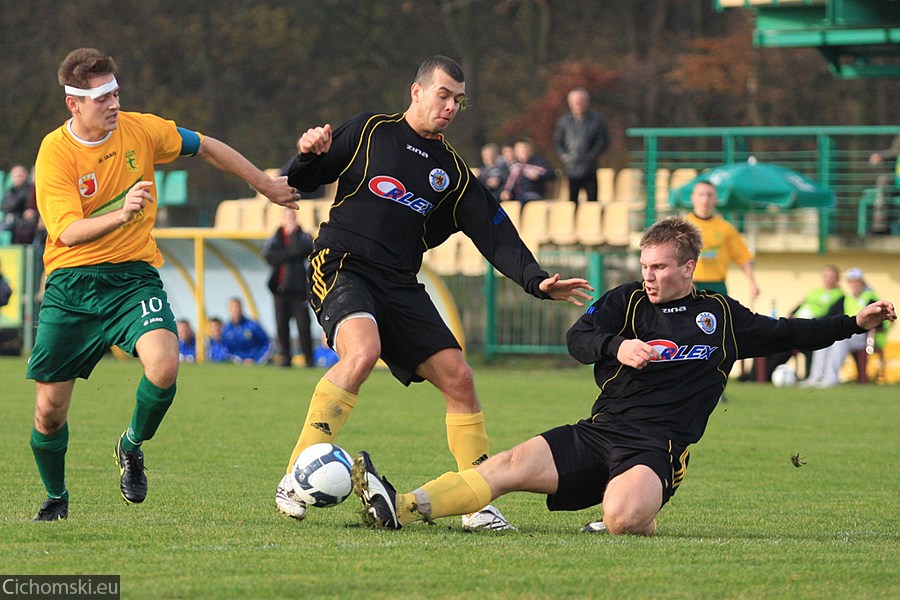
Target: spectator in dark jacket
<point x="287" y="251"/>
<point x="19" y="207"/>
<point x="580" y="139"/>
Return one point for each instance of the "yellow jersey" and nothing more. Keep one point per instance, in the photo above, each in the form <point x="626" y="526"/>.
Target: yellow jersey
<point x="722" y="244"/>
<point x="78" y="180"/>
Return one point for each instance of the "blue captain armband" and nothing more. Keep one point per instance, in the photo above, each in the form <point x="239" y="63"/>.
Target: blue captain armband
<point x="190" y="142"/>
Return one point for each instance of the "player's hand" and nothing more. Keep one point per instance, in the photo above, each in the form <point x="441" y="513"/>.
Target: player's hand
<point x="635" y="353"/>
<point x="754" y="290"/>
<point x="277" y="190"/>
<point x="136" y="199"/>
<point x="569" y="290"/>
<point x="875" y="314"/>
<point x="316" y="140"/>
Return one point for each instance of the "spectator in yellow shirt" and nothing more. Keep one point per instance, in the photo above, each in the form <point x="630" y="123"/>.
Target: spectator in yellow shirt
<point x="722" y="244"/>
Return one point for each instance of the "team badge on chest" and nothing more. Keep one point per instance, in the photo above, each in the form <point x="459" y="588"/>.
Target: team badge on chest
<point x="438" y="180"/>
<point x="706" y="321"/>
<point x="87" y="185"/>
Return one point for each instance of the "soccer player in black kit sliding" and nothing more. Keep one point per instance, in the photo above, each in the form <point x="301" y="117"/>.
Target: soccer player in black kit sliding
<point x="402" y="189"/>
<point x="661" y="352"/>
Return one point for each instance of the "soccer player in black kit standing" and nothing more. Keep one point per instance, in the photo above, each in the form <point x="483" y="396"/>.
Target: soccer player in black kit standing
<point x="402" y="189"/>
<point x="661" y="352"/>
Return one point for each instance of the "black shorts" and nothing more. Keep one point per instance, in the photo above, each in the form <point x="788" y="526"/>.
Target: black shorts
<point x="410" y="326"/>
<point x="591" y="452"/>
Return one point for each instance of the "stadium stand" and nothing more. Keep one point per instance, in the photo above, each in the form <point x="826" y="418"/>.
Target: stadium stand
<point x="228" y="215"/>
<point x="471" y="262"/>
<point x="513" y="209"/>
<point x="534" y="223"/>
<point x="628" y="185"/>
<point x="175" y="188"/>
<point x="681" y="177"/>
<point x="561" y="222"/>
<point x="253" y="215"/>
<point x="606" y="180"/>
<point x="616" y="223"/>
<point x="589" y="224"/>
<point x="160" y="178"/>
<point x="444" y="259"/>
<point x="662" y="189"/>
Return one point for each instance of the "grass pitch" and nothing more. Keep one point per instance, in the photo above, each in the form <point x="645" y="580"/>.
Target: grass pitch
<point x="746" y="523"/>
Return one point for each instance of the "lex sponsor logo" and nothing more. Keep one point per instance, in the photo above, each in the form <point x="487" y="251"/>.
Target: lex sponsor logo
<point x="415" y="150"/>
<point x="667" y="350"/>
<point x="385" y="186"/>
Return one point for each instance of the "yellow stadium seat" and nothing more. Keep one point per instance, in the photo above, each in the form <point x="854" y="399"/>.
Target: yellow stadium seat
<point x="628" y="187"/>
<point x="606" y="179"/>
<point x="273" y="218"/>
<point x="680" y="178"/>
<point x="562" y="187"/>
<point x="616" y="226"/>
<point x="228" y="215"/>
<point x="444" y="259"/>
<point x="589" y="223"/>
<point x="662" y="189"/>
<point x="308" y="216"/>
<point x="253" y="214"/>
<point x="534" y="227"/>
<point x="471" y="262"/>
<point x="561" y="222"/>
<point x="513" y="209"/>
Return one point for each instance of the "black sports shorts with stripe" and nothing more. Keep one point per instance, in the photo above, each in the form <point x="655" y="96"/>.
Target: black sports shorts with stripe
<point x="410" y="326"/>
<point x="593" y="451"/>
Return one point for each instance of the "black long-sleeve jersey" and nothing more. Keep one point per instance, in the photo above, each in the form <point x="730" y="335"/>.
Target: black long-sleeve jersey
<point x="698" y="338"/>
<point x="400" y="194"/>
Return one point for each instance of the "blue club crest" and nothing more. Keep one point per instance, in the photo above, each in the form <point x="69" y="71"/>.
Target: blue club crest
<point x="438" y="180"/>
<point x="706" y="321"/>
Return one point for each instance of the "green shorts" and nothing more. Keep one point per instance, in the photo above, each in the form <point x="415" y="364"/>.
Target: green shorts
<point x="87" y="310"/>
<point x="717" y="287"/>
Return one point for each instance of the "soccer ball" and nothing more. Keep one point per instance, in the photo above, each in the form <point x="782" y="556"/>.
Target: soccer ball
<point x="322" y="475"/>
<point x="783" y="376"/>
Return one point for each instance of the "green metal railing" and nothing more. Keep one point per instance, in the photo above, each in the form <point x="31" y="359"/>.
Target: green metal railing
<point x="837" y="157"/>
<point x="518" y="324"/>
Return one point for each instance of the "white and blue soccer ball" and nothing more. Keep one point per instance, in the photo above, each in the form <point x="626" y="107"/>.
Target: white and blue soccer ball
<point x="322" y="475"/>
<point x="784" y="376"/>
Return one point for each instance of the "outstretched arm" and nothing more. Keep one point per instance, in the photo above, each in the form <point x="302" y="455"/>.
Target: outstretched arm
<point x="227" y="159"/>
<point x="875" y="314"/>
<point x="747" y="268"/>
<point x="570" y="290"/>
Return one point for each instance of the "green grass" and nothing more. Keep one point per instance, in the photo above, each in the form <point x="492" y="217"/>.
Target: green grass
<point x="746" y="523"/>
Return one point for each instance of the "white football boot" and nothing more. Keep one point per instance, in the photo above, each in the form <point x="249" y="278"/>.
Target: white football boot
<point x="287" y="501"/>
<point x="594" y="527"/>
<point x="486" y="518"/>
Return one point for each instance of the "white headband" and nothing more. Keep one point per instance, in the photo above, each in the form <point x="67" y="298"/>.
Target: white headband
<point x="93" y="92"/>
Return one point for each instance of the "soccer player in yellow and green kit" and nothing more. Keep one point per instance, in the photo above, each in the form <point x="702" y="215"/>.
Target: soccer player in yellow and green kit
<point x="722" y="244"/>
<point x="97" y="196"/>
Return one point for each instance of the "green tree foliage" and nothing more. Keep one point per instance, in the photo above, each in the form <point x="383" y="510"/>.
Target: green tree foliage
<point x="258" y="73"/>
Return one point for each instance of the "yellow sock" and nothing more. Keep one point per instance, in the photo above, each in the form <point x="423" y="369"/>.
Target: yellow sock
<point x="467" y="438"/>
<point x="459" y="493"/>
<point x="328" y="411"/>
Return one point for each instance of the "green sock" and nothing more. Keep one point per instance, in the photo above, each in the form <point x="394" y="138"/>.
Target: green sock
<point x="149" y="410"/>
<point x="50" y="455"/>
